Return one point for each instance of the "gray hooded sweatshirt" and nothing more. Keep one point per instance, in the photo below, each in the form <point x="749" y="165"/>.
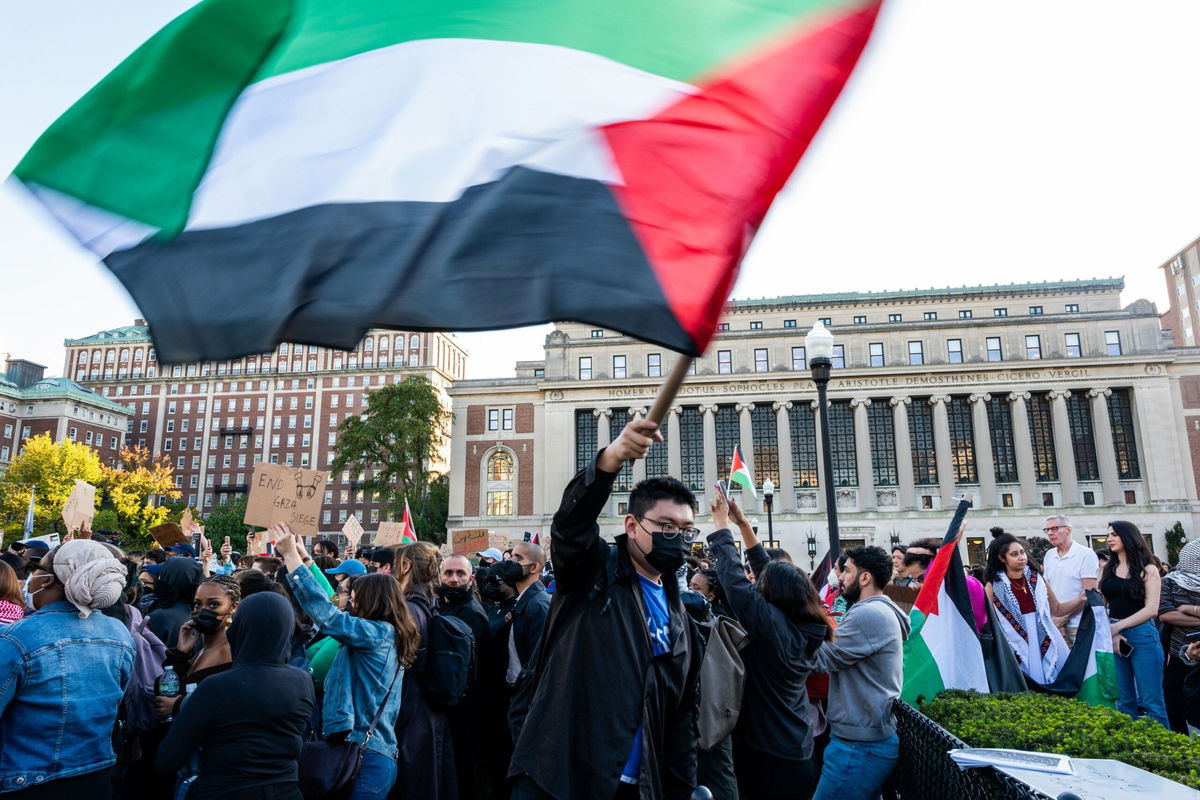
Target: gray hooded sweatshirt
<point x="865" y="662"/>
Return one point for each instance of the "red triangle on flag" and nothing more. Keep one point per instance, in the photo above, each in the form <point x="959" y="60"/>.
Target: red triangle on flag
<point x="409" y="535"/>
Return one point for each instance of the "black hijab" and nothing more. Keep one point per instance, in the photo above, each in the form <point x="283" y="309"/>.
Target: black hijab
<point x="261" y="632"/>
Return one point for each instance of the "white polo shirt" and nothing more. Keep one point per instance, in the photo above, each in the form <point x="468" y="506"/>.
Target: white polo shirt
<point x="1067" y="573"/>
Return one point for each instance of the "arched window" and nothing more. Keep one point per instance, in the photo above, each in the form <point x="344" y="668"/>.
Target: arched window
<point x="500" y="466"/>
<point x="137" y="356"/>
<point x="95" y="356"/>
<point x="368" y="344"/>
<point x="414" y="341"/>
<point x="124" y="356"/>
<point x="109" y="356"/>
<point x="82" y="356"/>
<point x="383" y="342"/>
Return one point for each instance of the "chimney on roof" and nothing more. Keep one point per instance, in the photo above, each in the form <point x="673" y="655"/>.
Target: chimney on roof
<point x="139" y="322"/>
<point x="23" y="373"/>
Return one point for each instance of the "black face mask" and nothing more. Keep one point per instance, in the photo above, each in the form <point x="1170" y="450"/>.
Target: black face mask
<point x="511" y="572"/>
<point x="146" y="601"/>
<point x="207" y="622"/>
<point x="454" y="594"/>
<point x="666" y="555"/>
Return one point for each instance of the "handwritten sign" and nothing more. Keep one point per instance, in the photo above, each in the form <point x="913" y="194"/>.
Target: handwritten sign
<point x="168" y="534"/>
<point x="188" y="523"/>
<point x="80" y="506"/>
<point x="475" y="540"/>
<point x="286" y="494"/>
<point x="353" y="531"/>
<point x="389" y="534"/>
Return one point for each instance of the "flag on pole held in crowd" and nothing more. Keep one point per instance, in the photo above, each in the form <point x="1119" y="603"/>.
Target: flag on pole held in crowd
<point x="943" y="650"/>
<point x="409" y="534"/>
<point x="739" y="471"/>
<point x="29" y="515"/>
<point x="616" y="156"/>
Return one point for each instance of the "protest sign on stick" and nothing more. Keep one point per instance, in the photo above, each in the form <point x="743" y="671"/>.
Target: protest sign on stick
<point x="80" y="506"/>
<point x="285" y="494"/>
<point x="389" y="534"/>
<point x="353" y="531"/>
<point x="169" y="533"/>
<point x="187" y="523"/>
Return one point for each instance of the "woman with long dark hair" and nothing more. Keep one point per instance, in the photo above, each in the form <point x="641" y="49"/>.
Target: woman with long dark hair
<point x="1025" y="607"/>
<point x="1131" y="585"/>
<point x="773" y="740"/>
<point x="379" y="642"/>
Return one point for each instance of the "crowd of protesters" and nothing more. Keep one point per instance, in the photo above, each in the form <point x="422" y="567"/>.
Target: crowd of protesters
<point x="625" y="669"/>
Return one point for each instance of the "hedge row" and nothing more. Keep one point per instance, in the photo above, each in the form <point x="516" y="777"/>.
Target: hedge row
<point x="1049" y="724"/>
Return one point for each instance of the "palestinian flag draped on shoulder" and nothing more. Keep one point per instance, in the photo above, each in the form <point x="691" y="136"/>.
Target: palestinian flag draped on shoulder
<point x="304" y="170"/>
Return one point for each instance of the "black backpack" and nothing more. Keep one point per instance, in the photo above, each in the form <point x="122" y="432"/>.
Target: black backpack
<point x="449" y="660"/>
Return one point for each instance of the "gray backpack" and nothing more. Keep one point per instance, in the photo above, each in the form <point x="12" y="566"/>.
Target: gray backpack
<point x="722" y="681"/>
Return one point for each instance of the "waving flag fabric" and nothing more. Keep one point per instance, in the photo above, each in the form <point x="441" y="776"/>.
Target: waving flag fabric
<point x="306" y="169"/>
<point x="409" y="534"/>
<point x="739" y="471"/>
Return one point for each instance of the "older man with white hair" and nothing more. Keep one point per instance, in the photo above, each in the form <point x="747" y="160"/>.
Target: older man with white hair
<point x="1070" y="567"/>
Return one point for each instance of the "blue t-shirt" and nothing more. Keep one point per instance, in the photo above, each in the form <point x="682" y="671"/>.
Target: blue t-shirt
<point x="658" y="625"/>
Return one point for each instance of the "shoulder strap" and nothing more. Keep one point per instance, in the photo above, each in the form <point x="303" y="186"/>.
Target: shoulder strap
<point x="383" y="705"/>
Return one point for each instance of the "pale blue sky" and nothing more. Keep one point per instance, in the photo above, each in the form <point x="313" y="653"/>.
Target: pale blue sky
<point x="979" y="142"/>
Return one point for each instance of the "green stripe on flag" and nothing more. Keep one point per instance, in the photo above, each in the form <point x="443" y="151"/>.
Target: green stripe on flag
<point x="1100" y="688"/>
<point x="922" y="678"/>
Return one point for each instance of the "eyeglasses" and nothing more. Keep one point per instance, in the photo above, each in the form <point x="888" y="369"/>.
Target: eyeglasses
<point x="1056" y="528"/>
<point x="671" y="530"/>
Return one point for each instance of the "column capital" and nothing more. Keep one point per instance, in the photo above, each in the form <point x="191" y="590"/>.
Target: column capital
<point x="637" y="412"/>
<point x="709" y="409"/>
<point x="860" y="401"/>
<point x="1015" y="396"/>
<point x="784" y="404"/>
<point x="981" y="397"/>
<point x="814" y="404"/>
<point x="744" y="407"/>
<point x="1094" y="393"/>
<point x="675" y="410"/>
<point x="602" y="412"/>
<point x="1057" y="394"/>
<point x="900" y="401"/>
<point x="939" y="398"/>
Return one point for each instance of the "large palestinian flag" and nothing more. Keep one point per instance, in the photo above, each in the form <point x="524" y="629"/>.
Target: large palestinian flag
<point x="305" y="169"/>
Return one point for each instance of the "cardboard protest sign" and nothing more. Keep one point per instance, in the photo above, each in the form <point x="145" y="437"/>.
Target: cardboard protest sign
<point x="187" y="523"/>
<point x="353" y="531"/>
<point x="389" y="534"/>
<point x="168" y="534"/>
<point x="470" y="541"/>
<point x="286" y="494"/>
<point x="80" y="506"/>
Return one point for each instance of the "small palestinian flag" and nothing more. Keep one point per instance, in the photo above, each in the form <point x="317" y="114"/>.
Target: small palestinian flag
<point x="739" y="471"/>
<point x="409" y="534"/>
<point x="281" y="170"/>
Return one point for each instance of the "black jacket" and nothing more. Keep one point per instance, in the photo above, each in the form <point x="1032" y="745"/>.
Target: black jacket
<point x="778" y="657"/>
<point x="528" y="621"/>
<point x="250" y="720"/>
<point x="470" y="611"/>
<point x="594" y="679"/>
<point x="174" y="590"/>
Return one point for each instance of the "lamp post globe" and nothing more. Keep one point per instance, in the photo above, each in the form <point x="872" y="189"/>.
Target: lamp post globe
<point x="768" y="490"/>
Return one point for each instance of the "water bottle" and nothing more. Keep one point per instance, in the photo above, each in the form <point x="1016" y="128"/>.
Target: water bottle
<point x="168" y="686"/>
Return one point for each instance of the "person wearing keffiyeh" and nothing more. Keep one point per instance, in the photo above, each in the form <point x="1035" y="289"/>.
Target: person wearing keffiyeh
<point x="1179" y="613"/>
<point x="1025" y="604"/>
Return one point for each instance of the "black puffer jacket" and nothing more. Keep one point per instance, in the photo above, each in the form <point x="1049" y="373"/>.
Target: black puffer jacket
<point x="594" y="679"/>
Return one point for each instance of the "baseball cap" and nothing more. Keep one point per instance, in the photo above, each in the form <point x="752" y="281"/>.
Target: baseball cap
<point x="152" y="569"/>
<point x="491" y="553"/>
<point x="35" y="544"/>
<point x="351" y="566"/>
<point x="183" y="549"/>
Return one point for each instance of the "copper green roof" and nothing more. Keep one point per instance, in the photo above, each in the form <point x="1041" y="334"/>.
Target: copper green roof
<point x="947" y="293"/>
<point x="130" y="333"/>
<point x="53" y="388"/>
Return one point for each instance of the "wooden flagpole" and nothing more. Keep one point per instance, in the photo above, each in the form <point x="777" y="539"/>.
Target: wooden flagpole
<point x="667" y="392"/>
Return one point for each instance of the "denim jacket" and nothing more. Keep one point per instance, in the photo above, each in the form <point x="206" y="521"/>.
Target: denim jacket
<point x="61" y="682"/>
<point x="362" y="670"/>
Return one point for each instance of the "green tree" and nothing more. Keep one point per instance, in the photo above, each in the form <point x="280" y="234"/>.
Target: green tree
<point x="390" y="448"/>
<point x="130" y="487"/>
<point x="51" y="468"/>
<point x="1176" y="539"/>
<point x="1037" y="547"/>
<point x="227" y="520"/>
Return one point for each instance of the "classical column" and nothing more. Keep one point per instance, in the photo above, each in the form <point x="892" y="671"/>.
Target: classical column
<point x="674" y="445"/>
<point x="820" y="440"/>
<point x="1064" y="452"/>
<point x="1023" y="445"/>
<point x="785" y="495"/>
<point x="603" y="435"/>
<point x="639" y="465"/>
<point x="941" y="448"/>
<point x="746" y="439"/>
<point x="862" y="455"/>
<point x="985" y="466"/>
<point x="710" y="446"/>
<point x="904" y="465"/>
<point x="1106" y="453"/>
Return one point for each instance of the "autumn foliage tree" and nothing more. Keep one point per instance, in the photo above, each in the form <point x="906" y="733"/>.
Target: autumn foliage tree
<point x="51" y="469"/>
<point x="129" y="489"/>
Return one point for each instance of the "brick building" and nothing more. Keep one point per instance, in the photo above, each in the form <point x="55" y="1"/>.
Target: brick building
<point x="31" y="404"/>
<point x="214" y="420"/>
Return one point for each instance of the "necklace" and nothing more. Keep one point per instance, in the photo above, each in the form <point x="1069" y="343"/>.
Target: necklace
<point x="1022" y="585"/>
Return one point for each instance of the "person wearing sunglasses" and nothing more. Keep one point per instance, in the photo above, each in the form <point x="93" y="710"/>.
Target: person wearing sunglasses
<point x="611" y="700"/>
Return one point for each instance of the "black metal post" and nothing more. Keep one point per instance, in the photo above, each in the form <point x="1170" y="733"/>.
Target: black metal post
<point x="820" y="374"/>
<point x="769" y="501"/>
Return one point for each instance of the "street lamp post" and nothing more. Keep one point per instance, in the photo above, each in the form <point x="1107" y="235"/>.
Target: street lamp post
<point x="812" y="551"/>
<point x="818" y="346"/>
<point x="768" y="490"/>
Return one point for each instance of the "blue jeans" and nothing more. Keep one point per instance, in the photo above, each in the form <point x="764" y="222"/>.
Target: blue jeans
<point x="1140" y="675"/>
<point x="375" y="779"/>
<point x="856" y="770"/>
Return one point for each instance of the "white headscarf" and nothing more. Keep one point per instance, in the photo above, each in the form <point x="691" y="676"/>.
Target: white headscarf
<point x="1187" y="572"/>
<point x="90" y="576"/>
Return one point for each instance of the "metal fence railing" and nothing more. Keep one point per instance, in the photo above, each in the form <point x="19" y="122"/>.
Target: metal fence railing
<point x="925" y="771"/>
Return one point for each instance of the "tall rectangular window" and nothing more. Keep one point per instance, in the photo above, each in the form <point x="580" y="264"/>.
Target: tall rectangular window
<point x="875" y="354"/>
<point x="1004" y="451"/>
<point x="839" y="356"/>
<point x="962" y="440"/>
<point x="585" y="437"/>
<point x="724" y="362"/>
<point x="654" y="365"/>
<point x="1033" y="347"/>
<point x="994" y="352"/>
<point x="499" y="504"/>
<point x="691" y="447"/>
<point x="728" y="436"/>
<point x="954" y="354"/>
<point x="1120" y="416"/>
<point x="802" y="427"/>
<point x="493" y="419"/>
<point x="842" y="443"/>
<point x="618" y="367"/>
<point x="585" y="368"/>
<point x="656" y="458"/>
<point x="798" y="359"/>
<point x="1083" y="442"/>
<point x="617" y="423"/>
<point x="761" y="363"/>
<point x="916" y="353"/>
<point x="1071" y="345"/>
<point x="883" y="444"/>
<point x="1112" y="343"/>
<point x="920" y="435"/>
<point x="507" y="419"/>
<point x="1041" y="432"/>
<point x="766" y="443"/>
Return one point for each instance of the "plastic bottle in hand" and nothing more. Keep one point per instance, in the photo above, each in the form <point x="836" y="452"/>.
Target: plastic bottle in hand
<point x="168" y="685"/>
